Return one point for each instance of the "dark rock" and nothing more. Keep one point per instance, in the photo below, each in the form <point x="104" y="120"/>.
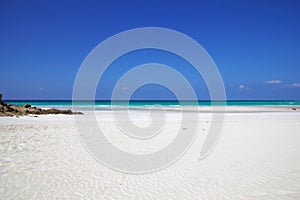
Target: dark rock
<point x="27" y="106"/>
<point x="11" y="110"/>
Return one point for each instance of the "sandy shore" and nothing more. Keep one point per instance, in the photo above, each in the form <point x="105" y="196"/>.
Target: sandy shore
<point x="257" y="157"/>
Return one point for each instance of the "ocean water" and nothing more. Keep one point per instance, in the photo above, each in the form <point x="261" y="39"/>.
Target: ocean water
<point x="108" y="104"/>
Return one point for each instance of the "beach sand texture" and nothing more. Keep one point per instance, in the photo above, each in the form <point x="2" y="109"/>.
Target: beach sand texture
<point x="257" y="157"/>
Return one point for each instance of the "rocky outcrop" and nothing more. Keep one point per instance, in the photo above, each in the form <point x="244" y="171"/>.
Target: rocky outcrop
<point x="15" y="110"/>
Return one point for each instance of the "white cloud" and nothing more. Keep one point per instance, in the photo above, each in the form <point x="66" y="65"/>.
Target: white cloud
<point x="242" y="86"/>
<point x="273" y="82"/>
<point x="294" y="85"/>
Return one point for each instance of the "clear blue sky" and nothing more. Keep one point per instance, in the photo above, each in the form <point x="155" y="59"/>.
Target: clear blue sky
<point x="255" y="44"/>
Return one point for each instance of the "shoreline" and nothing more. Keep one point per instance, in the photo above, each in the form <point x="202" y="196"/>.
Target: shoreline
<point x="200" y="109"/>
<point x="175" y="109"/>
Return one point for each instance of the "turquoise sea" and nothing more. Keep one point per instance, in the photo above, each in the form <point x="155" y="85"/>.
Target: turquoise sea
<point x="107" y="104"/>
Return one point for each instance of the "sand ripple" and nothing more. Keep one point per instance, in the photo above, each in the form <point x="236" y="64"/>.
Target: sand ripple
<point x="255" y="160"/>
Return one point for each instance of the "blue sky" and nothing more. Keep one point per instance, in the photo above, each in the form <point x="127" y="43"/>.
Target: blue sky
<point x="255" y="45"/>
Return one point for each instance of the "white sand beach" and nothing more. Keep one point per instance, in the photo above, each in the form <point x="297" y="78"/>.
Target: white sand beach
<point x="257" y="158"/>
